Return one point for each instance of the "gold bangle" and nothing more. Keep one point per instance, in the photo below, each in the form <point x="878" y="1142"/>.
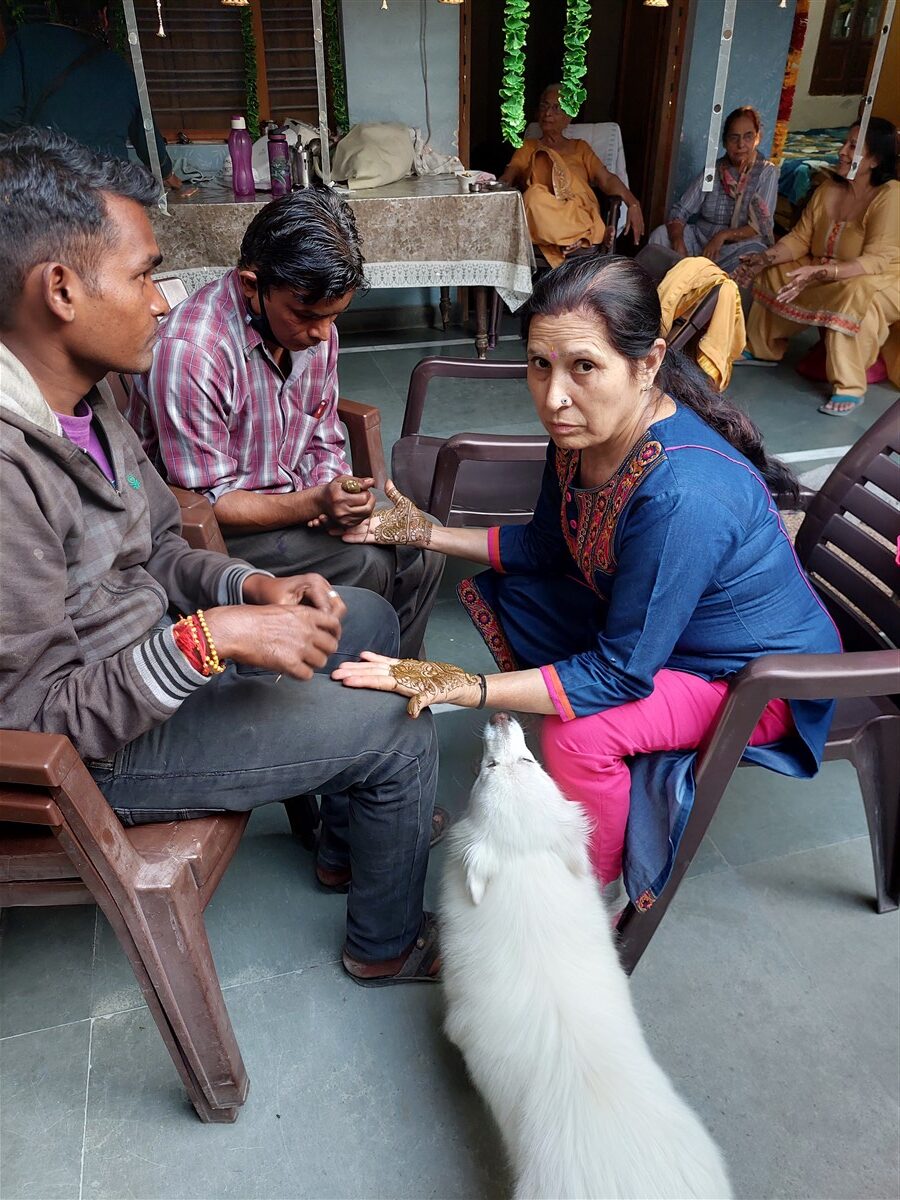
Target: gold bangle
<point x="212" y="659"/>
<point x="834" y="277"/>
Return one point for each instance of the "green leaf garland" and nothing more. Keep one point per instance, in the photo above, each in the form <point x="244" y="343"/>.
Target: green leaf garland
<point x="512" y="88"/>
<point x="248" y="37"/>
<point x="578" y="29"/>
<point x="334" y="61"/>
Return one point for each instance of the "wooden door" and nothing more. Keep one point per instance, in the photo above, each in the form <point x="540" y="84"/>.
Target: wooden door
<point x="650" y="63"/>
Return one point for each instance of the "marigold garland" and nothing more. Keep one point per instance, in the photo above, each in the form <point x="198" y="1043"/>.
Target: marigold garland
<point x="578" y="29"/>
<point x="789" y="84"/>
<point x="512" y="87"/>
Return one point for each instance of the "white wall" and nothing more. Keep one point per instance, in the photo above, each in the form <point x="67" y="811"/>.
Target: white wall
<point x="384" y="70"/>
<point x="818" y="112"/>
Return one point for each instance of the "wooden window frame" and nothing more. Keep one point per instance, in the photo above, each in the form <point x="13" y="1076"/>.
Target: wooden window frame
<point x="822" y="80"/>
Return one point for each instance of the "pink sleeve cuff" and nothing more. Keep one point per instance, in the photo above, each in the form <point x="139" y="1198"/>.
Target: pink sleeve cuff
<point x="557" y="694"/>
<point x="494" y="549"/>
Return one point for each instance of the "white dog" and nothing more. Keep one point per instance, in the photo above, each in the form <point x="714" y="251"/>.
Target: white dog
<point x="540" y="1007"/>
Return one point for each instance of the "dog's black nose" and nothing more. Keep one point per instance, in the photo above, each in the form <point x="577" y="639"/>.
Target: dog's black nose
<point x="500" y="718"/>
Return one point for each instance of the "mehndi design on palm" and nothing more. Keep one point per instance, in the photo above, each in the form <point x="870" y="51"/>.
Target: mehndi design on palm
<point x="430" y="681"/>
<point x="404" y="524"/>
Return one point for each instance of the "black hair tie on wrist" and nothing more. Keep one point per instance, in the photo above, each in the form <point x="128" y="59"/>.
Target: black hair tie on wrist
<point x="482" y="683"/>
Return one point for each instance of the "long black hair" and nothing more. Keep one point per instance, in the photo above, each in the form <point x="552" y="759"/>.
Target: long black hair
<point x="619" y="294"/>
<point x="881" y="143"/>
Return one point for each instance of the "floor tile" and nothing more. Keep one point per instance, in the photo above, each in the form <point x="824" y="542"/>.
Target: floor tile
<point x="750" y="1040"/>
<point x="354" y="1092"/>
<point x="822" y="903"/>
<point x="764" y="815"/>
<point x="266" y="918"/>
<point x="42" y="1093"/>
<point x="45" y="965"/>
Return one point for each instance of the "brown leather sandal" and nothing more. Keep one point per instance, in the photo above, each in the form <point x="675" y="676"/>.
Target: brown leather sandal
<point x="422" y="963"/>
<point x="337" y="880"/>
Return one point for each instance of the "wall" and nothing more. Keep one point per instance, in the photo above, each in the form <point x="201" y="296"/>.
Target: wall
<point x="384" y="83"/>
<point x="762" y="33"/>
<point x="818" y="112"/>
<point x="887" y="94"/>
<point x="384" y="69"/>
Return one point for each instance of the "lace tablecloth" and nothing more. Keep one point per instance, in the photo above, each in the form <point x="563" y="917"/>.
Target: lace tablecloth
<point x="415" y="233"/>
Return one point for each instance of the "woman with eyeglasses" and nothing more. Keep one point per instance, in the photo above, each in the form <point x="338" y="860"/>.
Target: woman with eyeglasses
<point x="556" y="175"/>
<point x="734" y="218"/>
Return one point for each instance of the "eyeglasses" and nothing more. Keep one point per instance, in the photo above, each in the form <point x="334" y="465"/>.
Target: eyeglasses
<point x="549" y="108"/>
<point x="735" y="139"/>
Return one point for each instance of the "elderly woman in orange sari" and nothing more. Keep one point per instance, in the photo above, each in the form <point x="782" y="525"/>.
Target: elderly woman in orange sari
<point x="556" y="175"/>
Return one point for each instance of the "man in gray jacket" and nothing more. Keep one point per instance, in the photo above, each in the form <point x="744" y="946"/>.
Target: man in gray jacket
<point x="93" y="565"/>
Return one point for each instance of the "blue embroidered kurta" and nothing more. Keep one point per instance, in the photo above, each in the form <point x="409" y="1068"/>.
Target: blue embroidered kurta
<point x="679" y="561"/>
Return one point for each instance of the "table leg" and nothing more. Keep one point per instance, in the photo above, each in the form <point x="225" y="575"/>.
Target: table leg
<point x="445" y="308"/>
<point x="481" y="329"/>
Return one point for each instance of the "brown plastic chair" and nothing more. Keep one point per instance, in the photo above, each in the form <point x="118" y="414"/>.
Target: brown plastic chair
<point x="60" y="843"/>
<point x="474" y="479"/>
<point x="483" y="479"/>
<point x="847" y="544"/>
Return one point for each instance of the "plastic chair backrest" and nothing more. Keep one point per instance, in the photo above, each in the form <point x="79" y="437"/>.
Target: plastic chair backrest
<point x="848" y="541"/>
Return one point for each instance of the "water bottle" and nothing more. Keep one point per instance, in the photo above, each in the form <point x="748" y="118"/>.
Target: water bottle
<point x="240" y="147"/>
<point x="300" y="166"/>
<point x="279" y="163"/>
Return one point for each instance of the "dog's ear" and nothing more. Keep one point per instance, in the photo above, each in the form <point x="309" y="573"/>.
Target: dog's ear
<point x="478" y="867"/>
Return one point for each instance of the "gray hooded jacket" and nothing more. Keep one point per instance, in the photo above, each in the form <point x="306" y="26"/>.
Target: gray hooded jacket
<point x="88" y="573"/>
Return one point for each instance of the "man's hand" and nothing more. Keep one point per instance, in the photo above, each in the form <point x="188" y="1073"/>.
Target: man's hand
<point x="342" y="509"/>
<point x="293" y="639"/>
<point x="313" y="590"/>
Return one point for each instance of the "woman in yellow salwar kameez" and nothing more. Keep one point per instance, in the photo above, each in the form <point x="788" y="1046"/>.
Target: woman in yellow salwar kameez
<point x="556" y="175"/>
<point x="839" y="268"/>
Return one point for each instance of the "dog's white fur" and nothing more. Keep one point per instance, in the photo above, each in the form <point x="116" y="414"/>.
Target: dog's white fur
<point x="540" y="1007"/>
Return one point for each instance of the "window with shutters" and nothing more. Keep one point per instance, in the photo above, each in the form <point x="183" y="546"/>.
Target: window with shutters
<point x="845" y="46"/>
<point x="196" y="74"/>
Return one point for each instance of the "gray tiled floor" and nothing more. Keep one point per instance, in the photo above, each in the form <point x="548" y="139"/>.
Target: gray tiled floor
<point x="770" y="994"/>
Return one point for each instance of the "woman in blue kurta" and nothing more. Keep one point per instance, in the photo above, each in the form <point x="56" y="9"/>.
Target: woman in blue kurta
<point x="655" y="567"/>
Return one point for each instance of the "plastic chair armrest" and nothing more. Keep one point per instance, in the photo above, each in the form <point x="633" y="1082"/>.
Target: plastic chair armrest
<point x="363" y="422"/>
<point x="477" y="447"/>
<point x="199" y="526"/>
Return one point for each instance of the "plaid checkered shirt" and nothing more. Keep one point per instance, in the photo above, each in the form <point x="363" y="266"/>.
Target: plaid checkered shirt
<point x="216" y="415"/>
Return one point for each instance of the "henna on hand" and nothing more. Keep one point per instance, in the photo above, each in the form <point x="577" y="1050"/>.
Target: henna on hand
<point x="429" y="681"/>
<point x="404" y="524"/>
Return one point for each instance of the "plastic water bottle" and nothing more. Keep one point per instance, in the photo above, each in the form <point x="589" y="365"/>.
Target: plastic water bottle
<point x="240" y="147"/>
<point x="279" y="163"/>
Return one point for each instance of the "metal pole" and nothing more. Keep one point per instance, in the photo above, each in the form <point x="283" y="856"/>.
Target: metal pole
<point x="140" y="78"/>
<point x="715" y="117"/>
<point x="319" y="46"/>
<point x="872" y="85"/>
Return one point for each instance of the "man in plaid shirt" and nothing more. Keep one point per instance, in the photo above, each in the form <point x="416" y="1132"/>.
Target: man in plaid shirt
<point x="241" y="405"/>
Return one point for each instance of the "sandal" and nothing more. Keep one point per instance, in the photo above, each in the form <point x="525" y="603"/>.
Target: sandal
<point x="422" y="963"/>
<point x="337" y="879"/>
<point x="852" y="402"/>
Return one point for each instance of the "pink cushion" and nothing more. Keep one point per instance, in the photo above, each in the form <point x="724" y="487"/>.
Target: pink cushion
<point x="812" y="366"/>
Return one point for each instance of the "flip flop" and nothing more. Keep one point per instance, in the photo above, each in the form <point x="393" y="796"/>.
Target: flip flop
<point x="829" y="411"/>
<point x="421" y="965"/>
<point x="336" y="880"/>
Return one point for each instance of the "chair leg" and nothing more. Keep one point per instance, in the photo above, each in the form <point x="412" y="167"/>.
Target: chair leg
<point x="159" y="925"/>
<point x="303" y="814"/>
<point x="494" y="324"/>
<point x="877" y="765"/>
<point x="445" y="308"/>
<point x="171" y="940"/>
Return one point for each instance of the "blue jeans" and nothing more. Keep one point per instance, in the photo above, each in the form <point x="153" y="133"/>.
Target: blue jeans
<point x="248" y="738"/>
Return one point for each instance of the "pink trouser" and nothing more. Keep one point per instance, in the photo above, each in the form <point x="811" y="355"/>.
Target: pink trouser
<point x="586" y="756"/>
